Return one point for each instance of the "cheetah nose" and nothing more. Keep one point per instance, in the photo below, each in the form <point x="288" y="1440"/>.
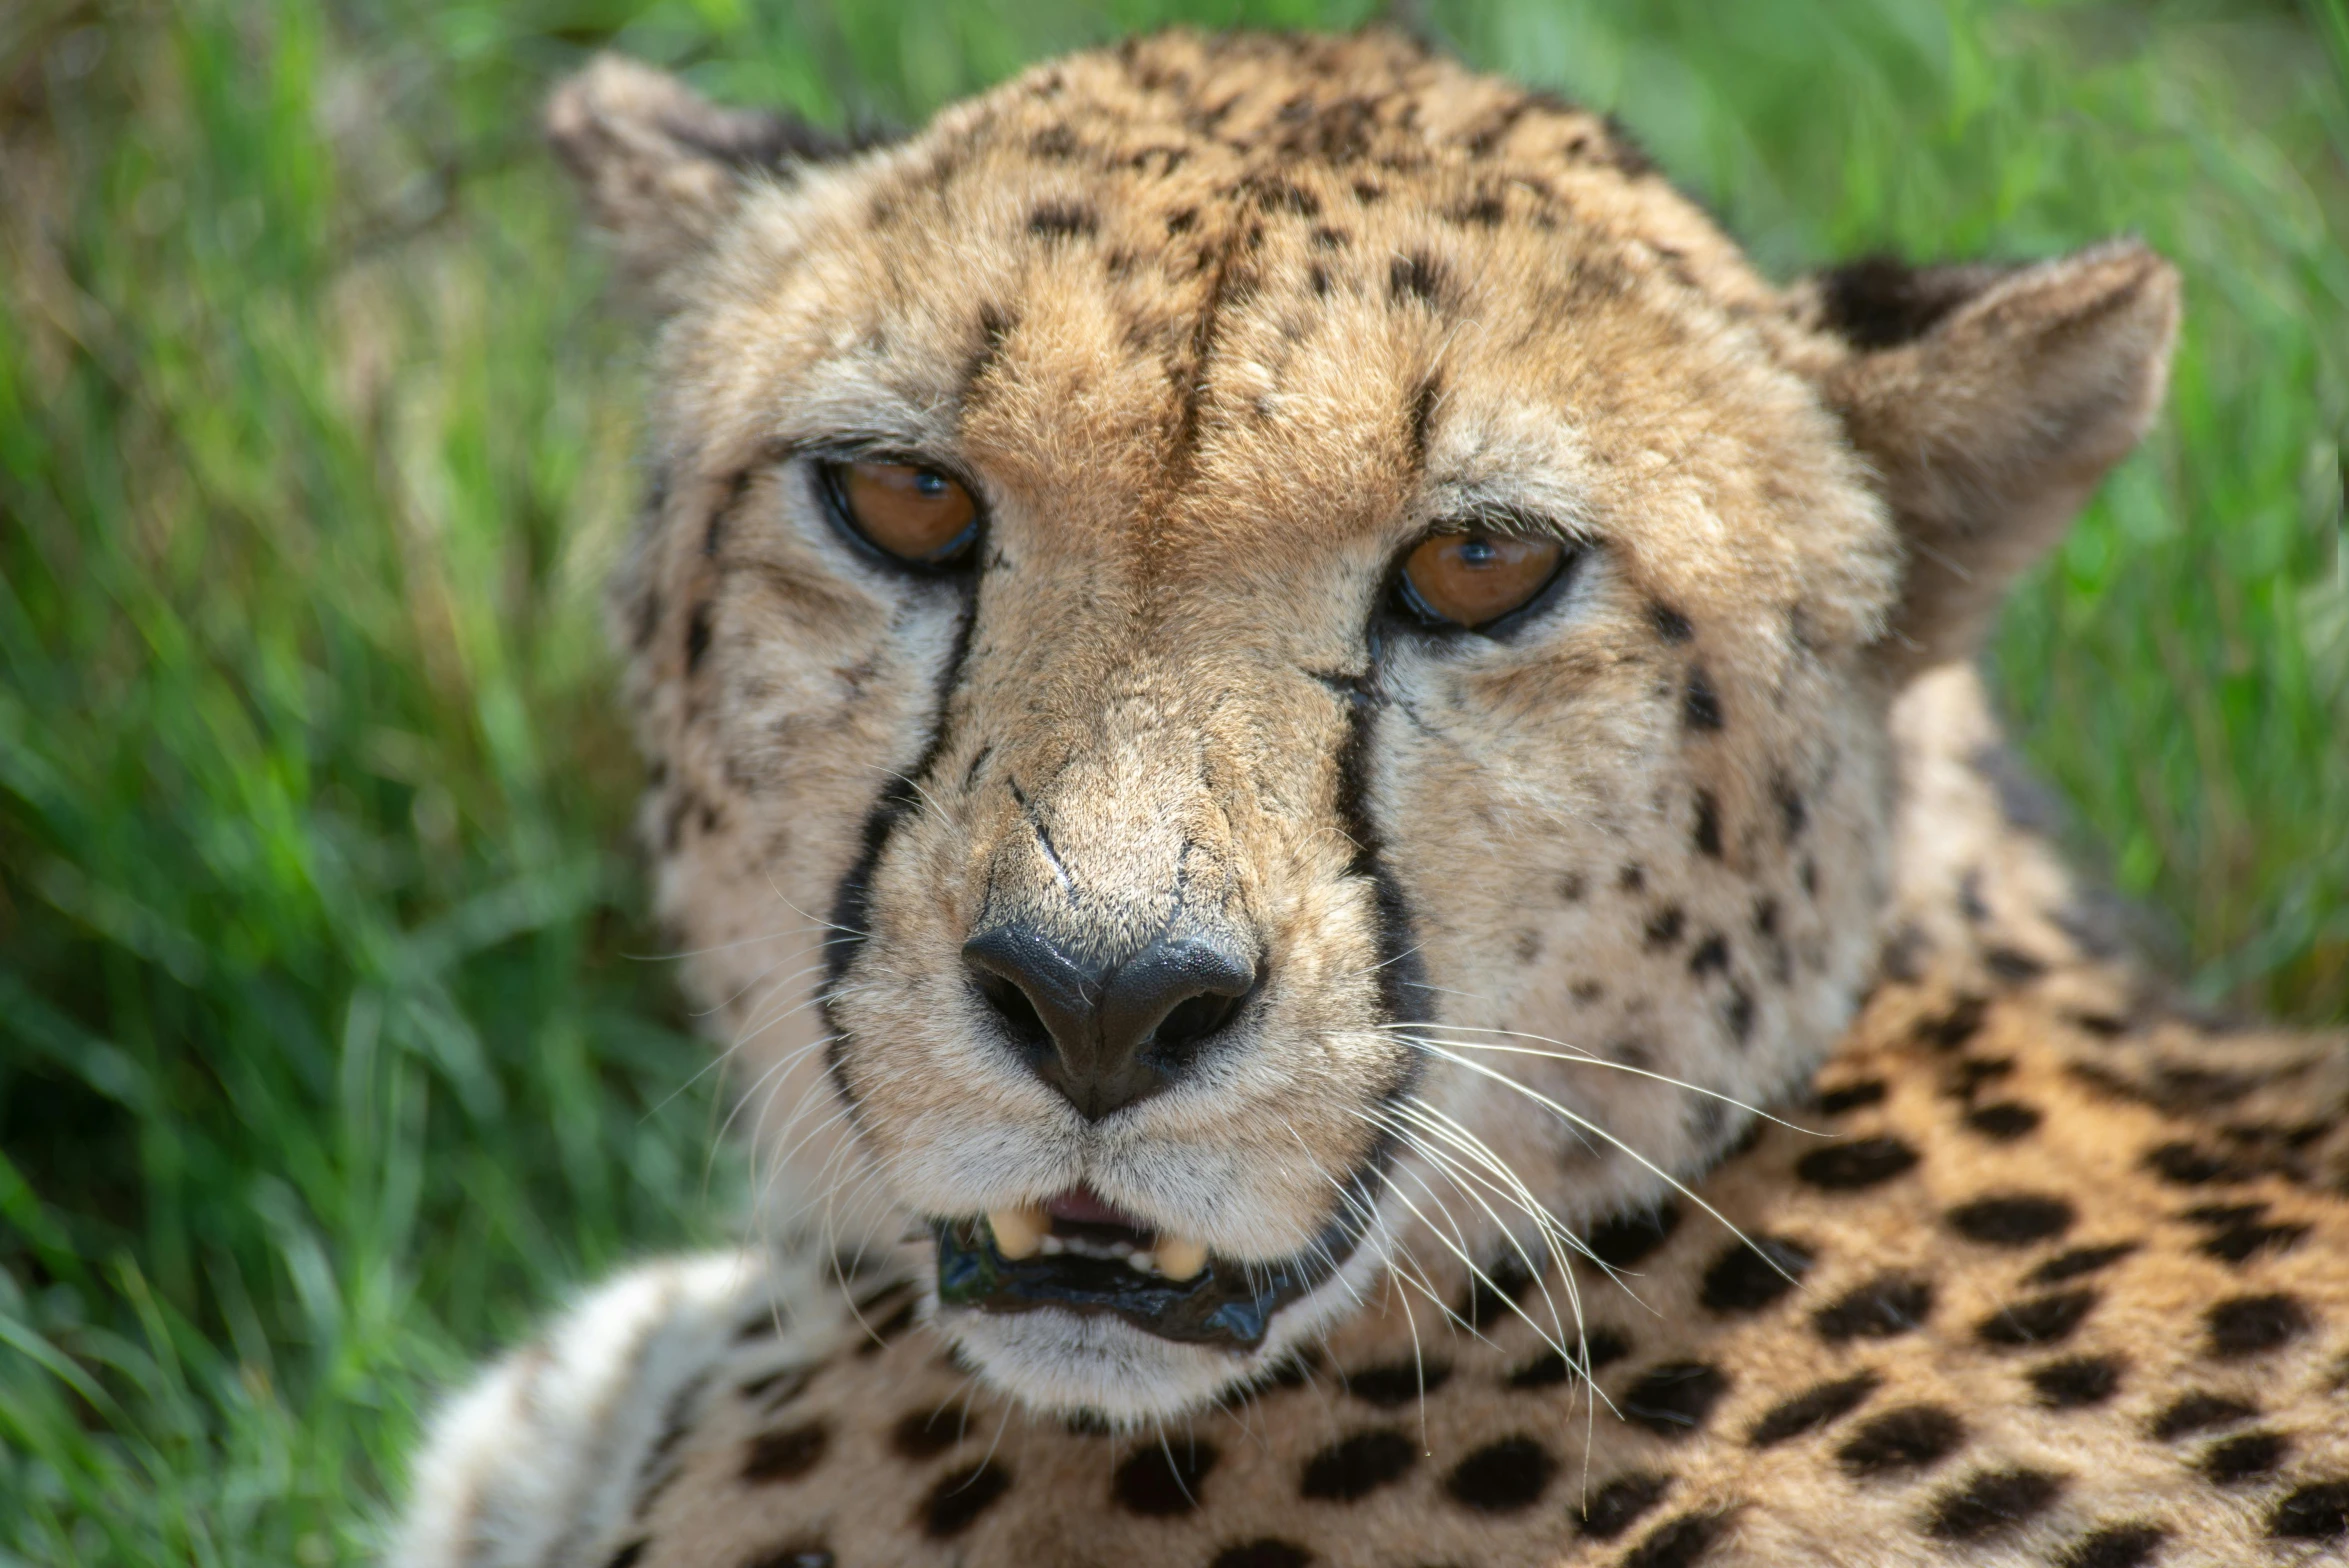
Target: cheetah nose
<point x="1106" y="1034"/>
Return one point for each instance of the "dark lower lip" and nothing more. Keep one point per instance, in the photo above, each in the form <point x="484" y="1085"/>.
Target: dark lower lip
<point x="1226" y="1305"/>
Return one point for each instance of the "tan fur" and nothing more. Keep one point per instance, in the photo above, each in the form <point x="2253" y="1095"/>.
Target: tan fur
<point x="1216" y="328"/>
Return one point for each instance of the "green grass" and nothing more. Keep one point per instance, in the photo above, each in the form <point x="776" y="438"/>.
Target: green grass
<point x="323" y="1061"/>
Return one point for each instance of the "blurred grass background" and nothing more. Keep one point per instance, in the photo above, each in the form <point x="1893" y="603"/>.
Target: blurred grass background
<point x="324" y="1064"/>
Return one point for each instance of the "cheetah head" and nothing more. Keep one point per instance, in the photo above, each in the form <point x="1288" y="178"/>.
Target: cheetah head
<point x="1266" y="664"/>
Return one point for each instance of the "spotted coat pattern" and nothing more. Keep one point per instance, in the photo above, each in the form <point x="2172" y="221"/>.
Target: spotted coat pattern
<point x="2044" y="1270"/>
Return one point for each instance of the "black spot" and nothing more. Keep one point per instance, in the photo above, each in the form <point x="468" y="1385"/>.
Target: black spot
<point x="1294" y="1370"/>
<point x="2016" y="1220"/>
<point x="1625" y="1239"/>
<point x="1910" y="1438"/>
<point x="1631" y="879"/>
<point x="1812" y="1409"/>
<point x="1737" y="1014"/>
<point x="697" y="636"/>
<point x="1358" y="1466"/>
<point x="1317" y="279"/>
<point x="785" y="1455"/>
<point x="925" y="1434"/>
<point x="2238" y="1243"/>
<point x="2189" y="1166"/>
<point x="1502" y="1477"/>
<point x="1485" y="211"/>
<point x="1793" y="815"/>
<point x="1180" y="222"/>
<point x="1851" y="1096"/>
<point x="1971" y="1073"/>
<point x="2244" y="1458"/>
<point x="1992" y="1503"/>
<point x="958" y="1499"/>
<point x="1617" y="1506"/>
<point x="1600" y="1347"/>
<point x="1494" y="1292"/>
<point x="2004" y="1120"/>
<point x="1571" y="887"/>
<point x="1808" y="875"/>
<point x="1886" y="1306"/>
<point x="786" y="1384"/>
<point x="1266" y="1553"/>
<point x="2013" y="965"/>
<point x="1849" y="1167"/>
<point x="1670" y="624"/>
<point x="1707" y="834"/>
<point x="1711" y="955"/>
<point x="878" y="1335"/>
<point x="2077" y="1381"/>
<point x="1423" y="406"/>
<point x="2115" y="1546"/>
<point x="995" y="326"/>
<point x="1281" y="196"/>
<point x="2224" y="1213"/>
<point x="1674" y="1399"/>
<point x="1415" y="276"/>
<point x="627" y="1555"/>
<point x="2318" y="1511"/>
<point x="1954" y="1028"/>
<point x="1327" y="238"/>
<point x="2199" y="1412"/>
<point x="1083" y="1421"/>
<point x="1701" y="706"/>
<point x="1748" y="1276"/>
<point x="2254" y="1325"/>
<point x="1161" y="1480"/>
<point x="2079" y="1261"/>
<point x="1665" y="925"/>
<point x="1396" y="1382"/>
<point x="2042" y="1320"/>
<point x="1060" y="221"/>
<point x="799" y="1554"/>
<point x="1678" y="1543"/>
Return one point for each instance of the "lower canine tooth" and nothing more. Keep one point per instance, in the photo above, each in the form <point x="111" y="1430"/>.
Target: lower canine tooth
<point x="1180" y="1258"/>
<point x="1018" y="1232"/>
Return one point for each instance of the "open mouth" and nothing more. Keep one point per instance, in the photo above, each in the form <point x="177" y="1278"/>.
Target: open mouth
<point x="1081" y="1254"/>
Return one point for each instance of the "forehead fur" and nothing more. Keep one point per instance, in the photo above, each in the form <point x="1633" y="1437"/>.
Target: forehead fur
<point x="1199" y="297"/>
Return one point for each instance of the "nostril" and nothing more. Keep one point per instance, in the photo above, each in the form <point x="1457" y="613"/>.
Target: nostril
<point x="1189" y="1022"/>
<point x="1017" y="1014"/>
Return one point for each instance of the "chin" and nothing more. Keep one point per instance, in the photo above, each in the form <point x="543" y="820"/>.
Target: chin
<point x="1089" y="1336"/>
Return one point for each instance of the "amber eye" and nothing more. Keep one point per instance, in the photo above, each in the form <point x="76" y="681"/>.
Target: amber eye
<point x="915" y="514"/>
<point x="1476" y="577"/>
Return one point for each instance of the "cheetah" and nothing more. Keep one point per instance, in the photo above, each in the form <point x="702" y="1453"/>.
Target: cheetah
<point x="1321" y="767"/>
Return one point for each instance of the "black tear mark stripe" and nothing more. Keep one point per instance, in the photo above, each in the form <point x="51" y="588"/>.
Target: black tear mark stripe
<point x="1402" y="976"/>
<point x="852" y="900"/>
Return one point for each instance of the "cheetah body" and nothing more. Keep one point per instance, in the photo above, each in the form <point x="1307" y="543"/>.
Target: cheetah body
<point x="2018" y="1264"/>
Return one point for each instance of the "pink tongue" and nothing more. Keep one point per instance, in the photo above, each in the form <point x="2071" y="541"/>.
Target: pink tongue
<point x="1079" y="1207"/>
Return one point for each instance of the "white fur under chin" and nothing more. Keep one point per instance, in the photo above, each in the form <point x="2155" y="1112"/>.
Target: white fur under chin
<point x="1068" y="1364"/>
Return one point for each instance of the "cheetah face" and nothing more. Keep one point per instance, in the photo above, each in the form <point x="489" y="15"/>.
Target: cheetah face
<point x="1249" y="697"/>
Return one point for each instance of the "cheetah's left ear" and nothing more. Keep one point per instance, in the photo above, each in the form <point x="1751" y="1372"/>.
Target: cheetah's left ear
<point x="662" y="167"/>
<point x="1991" y="400"/>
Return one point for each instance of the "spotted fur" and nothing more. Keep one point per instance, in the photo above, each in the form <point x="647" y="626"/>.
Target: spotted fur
<point x="2021" y="1265"/>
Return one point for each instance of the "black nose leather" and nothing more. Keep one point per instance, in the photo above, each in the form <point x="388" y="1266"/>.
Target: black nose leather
<point x="1106" y="1035"/>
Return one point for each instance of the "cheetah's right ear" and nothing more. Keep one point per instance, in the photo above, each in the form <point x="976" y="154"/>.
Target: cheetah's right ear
<point x="1991" y="401"/>
<point x="662" y="167"/>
